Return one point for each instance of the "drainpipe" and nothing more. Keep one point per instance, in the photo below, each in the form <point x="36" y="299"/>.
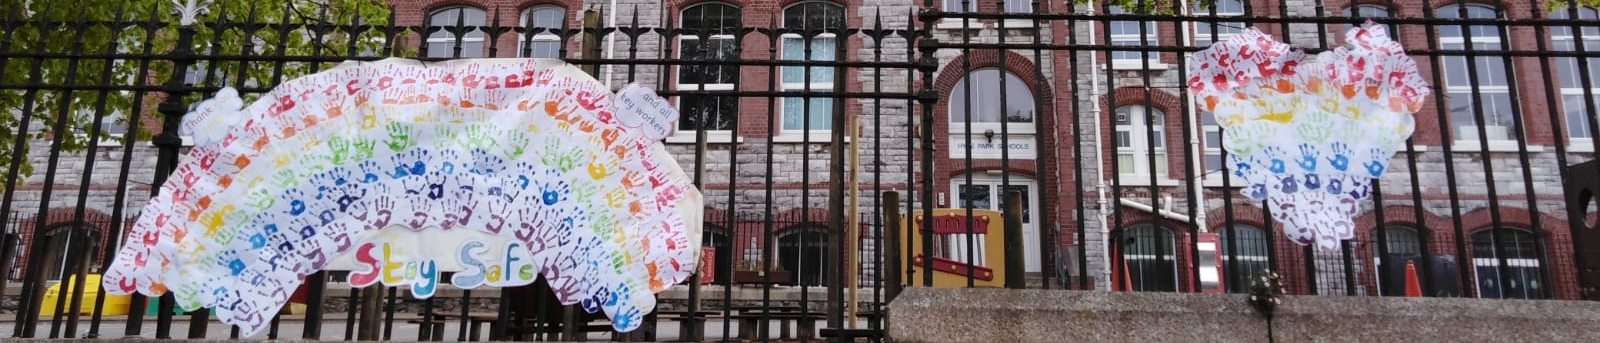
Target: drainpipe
<point x="611" y="40"/>
<point x="1197" y="184"/>
<point x="1169" y="214"/>
<point x="1100" y="159"/>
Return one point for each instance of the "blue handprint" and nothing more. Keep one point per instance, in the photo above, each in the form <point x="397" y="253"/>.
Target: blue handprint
<point x="1341" y="157"/>
<point x="1308" y="158"/>
<point x="1336" y="185"/>
<point x="1313" y="181"/>
<point x="1376" y="166"/>
<point x="1275" y="164"/>
<point x="1288" y="185"/>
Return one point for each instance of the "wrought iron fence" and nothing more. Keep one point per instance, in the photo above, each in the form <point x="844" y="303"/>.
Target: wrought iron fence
<point x="820" y="117"/>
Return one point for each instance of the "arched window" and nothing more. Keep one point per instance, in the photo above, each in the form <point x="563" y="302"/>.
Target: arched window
<point x="1563" y="38"/>
<point x="1204" y="31"/>
<point x="711" y="28"/>
<point x="1148" y="260"/>
<point x="1521" y="278"/>
<point x="1401" y="245"/>
<point x="539" y="20"/>
<point x="1252" y="255"/>
<point x="804" y="254"/>
<point x="442" y="43"/>
<point x="61" y="242"/>
<point x="1372" y="12"/>
<point x="1135" y="128"/>
<point x="981" y="103"/>
<point x="1136" y="33"/>
<point x="718" y="239"/>
<point x="816" y="113"/>
<point x="1488" y="75"/>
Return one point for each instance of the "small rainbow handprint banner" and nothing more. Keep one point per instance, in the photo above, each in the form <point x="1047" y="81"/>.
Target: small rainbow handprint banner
<point x="497" y="170"/>
<point x="1310" y="136"/>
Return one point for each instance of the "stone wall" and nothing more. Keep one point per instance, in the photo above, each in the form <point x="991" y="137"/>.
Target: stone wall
<point x="998" y="315"/>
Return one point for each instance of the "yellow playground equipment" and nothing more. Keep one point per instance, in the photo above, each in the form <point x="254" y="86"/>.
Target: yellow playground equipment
<point x="952" y="245"/>
<point x="115" y="304"/>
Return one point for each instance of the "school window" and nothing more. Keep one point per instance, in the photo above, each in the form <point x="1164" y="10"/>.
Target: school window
<point x="1139" y="136"/>
<point x="1371" y="12"/>
<point x="822" y="21"/>
<point x="1206" y="32"/>
<point x="1487" y="75"/>
<point x="709" y="37"/>
<point x="1134" y="34"/>
<point x="540" y="41"/>
<point x="1574" y="89"/>
<point x="456" y="27"/>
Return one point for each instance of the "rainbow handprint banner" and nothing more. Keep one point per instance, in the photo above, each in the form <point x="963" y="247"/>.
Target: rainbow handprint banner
<point x="499" y="170"/>
<point x="1309" y="137"/>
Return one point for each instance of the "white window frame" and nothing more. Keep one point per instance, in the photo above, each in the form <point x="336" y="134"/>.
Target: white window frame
<point x="542" y="37"/>
<point x="1208" y="177"/>
<point x="1151" y="36"/>
<point x="788" y="135"/>
<point x="1493" y="262"/>
<point x="712" y="136"/>
<point x="448" y="38"/>
<point x="1222" y="12"/>
<point x="1363" y="10"/>
<point x="1463" y="87"/>
<point x="1139" y="148"/>
<point x="1576" y="144"/>
<point x="979" y="128"/>
<point x="1171" y="256"/>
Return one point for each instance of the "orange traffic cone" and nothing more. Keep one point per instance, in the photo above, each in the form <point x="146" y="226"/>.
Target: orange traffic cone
<point x="1413" y="288"/>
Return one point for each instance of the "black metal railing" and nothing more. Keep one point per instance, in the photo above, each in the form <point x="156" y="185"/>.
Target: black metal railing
<point x="802" y="124"/>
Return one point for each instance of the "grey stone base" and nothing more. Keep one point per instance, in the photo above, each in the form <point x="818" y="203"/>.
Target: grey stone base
<point x="997" y="315"/>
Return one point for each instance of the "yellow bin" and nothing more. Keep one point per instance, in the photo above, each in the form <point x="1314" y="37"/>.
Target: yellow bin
<point x="115" y="304"/>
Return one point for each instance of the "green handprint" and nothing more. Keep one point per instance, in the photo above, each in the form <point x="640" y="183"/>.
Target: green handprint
<point x="260" y="199"/>
<point x="446" y="135"/>
<point x="363" y="148"/>
<point x="1314" y="127"/>
<point x="1244" y="139"/>
<point x="285" y="178"/>
<point x="341" y="150"/>
<point x="516" y="143"/>
<point x="583" y="194"/>
<point x="478" y="137"/>
<point x="400" y="138"/>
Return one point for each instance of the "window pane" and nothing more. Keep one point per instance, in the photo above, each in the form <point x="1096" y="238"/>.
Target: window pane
<point x="1147" y="251"/>
<point x="794" y="114"/>
<point x="985" y="97"/>
<point x="442" y="43"/>
<point x="543" y="44"/>
<point x="1496" y="110"/>
<point x="1578" y="117"/>
<point x="961" y="5"/>
<point x="1020" y="6"/>
<point x="1520" y="263"/>
<point x="712" y="112"/>
<point x="1251" y="255"/>
<point x="975" y="196"/>
<point x="1027" y="207"/>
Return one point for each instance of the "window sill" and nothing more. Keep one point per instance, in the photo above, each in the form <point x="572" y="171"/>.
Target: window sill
<point x="1144" y="181"/>
<point x="1137" y="65"/>
<point x="817" y="137"/>
<point x="712" y="137"/>
<point x="956" y="24"/>
<point x="1583" y="145"/>
<point x="1494" y="146"/>
<point x="1017" y="24"/>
